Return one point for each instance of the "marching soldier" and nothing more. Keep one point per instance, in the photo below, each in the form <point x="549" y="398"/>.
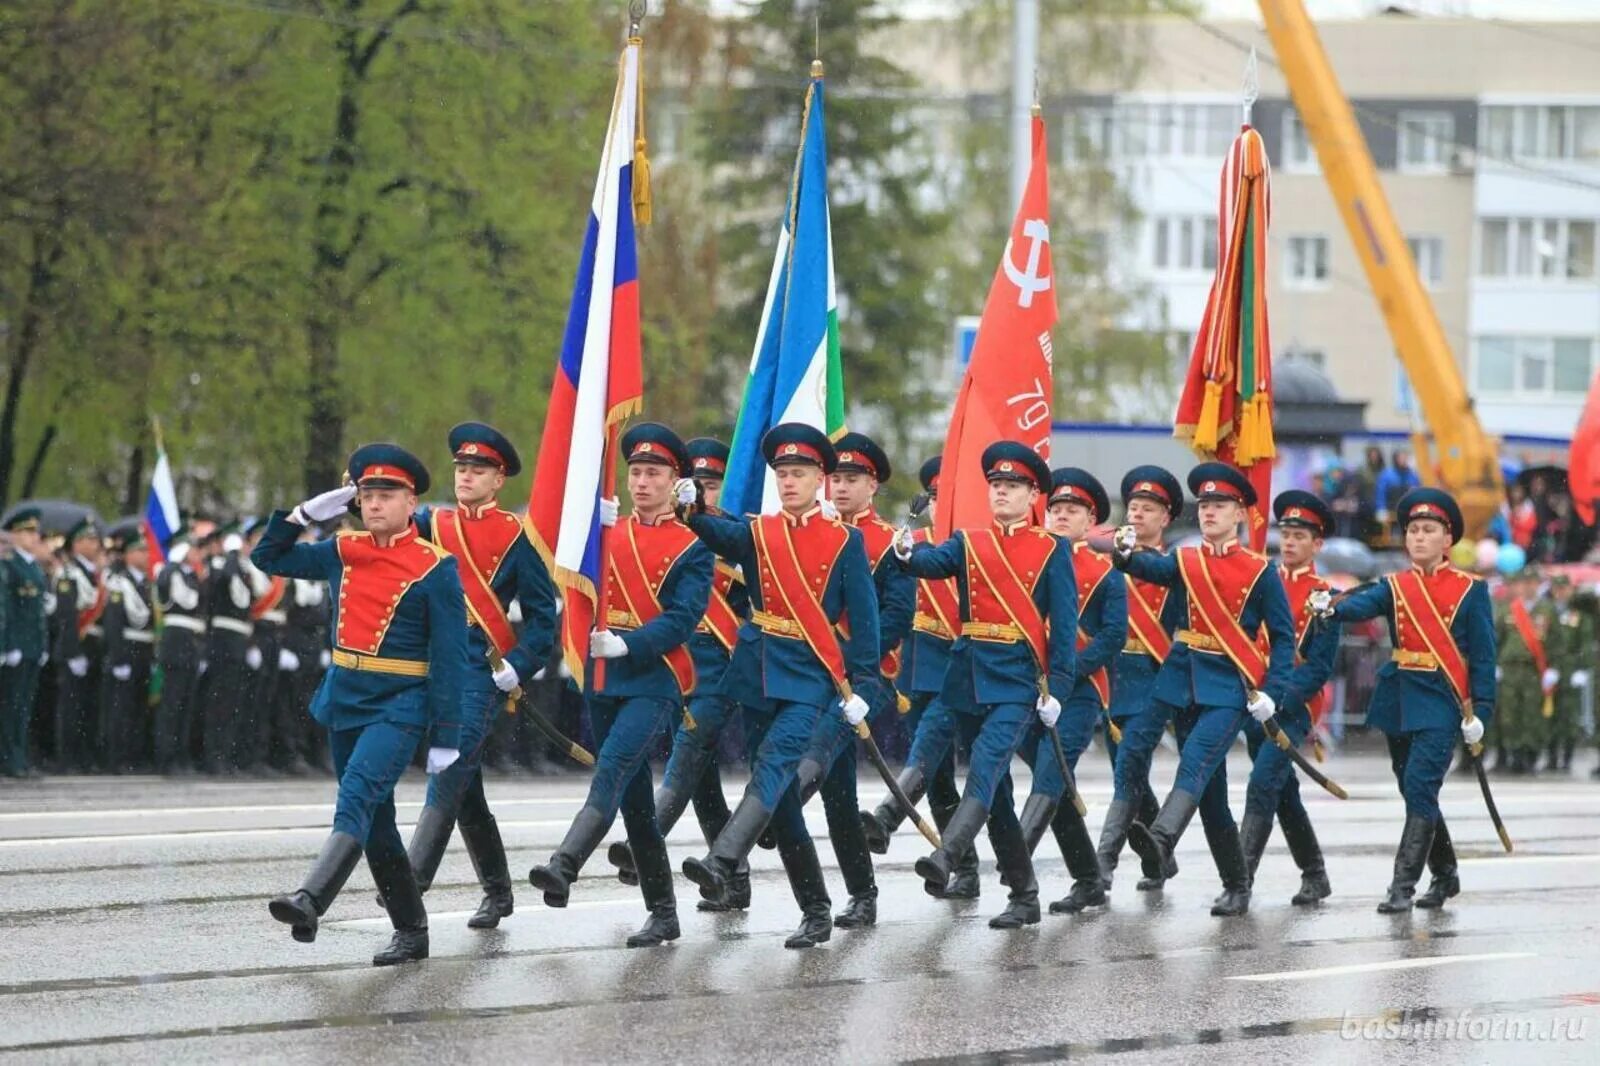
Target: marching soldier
<point x="791" y="665"/>
<point x="691" y="772"/>
<point x="180" y="595"/>
<point x="1152" y="498"/>
<point x="1440" y="680"/>
<point x="640" y="670"/>
<point x="125" y="725"/>
<point x="921" y="680"/>
<point x="830" y="761"/>
<point x="79" y="645"/>
<point x="24" y="646"/>
<point x="1274" y="789"/>
<point x="1572" y="645"/>
<point x="1078" y="502"/>
<point x="1015" y="660"/>
<point x="230" y="657"/>
<point x="1527" y="676"/>
<point x="499" y="566"/>
<point x="301" y="664"/>
<point x="399" y="665"/>
<point x="1216" y="673"/>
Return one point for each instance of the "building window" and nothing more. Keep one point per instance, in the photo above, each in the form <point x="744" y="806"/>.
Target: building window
<point x="1546" y="249"/>
<point x="1531" y="131"/>
<point x="1184" y="243"/>
<point x="1298" y="157"/>
<point x="1314" y="357"/>
<point x="1170" y="130"/>
<point x="1308" y="262"/>
<point x="1428" y="254"/>
<point x="1550" y="368"/>
<point x="1089" y="135"/>
<point x="1426" y="140"/>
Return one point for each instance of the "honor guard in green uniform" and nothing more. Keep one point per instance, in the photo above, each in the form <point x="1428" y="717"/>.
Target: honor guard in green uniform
<point x="1527" y="677"/>
<point x="23" y="647"/>
<point x="1572" y="652"/>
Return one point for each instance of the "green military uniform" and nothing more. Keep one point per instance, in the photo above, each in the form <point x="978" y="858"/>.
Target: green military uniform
<point x="1572" y="651"/>
<point x="1519" y="724"/>
<point x="22" y="646"/>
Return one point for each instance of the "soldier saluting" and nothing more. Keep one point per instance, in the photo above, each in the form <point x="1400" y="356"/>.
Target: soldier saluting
<point x="1440" y="679"/>
<point x="399" y="664"/>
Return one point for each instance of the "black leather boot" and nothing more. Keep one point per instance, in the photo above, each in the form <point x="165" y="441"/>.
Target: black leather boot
<point x="1302" y="841"/>
<point x="655" y="881"/>
<point x="555" y="877"/>
<point x="964" y="882"/>
<point x="670" y="804"/>
<point x="958" y="835"/>
<point x="1445" y="882"/>
<point x="1011" y="856"/>
<point x="1151" y="880"/>
<point x="1415" y="840"/>
<point x="1037" y="810"/>
<point x="404" y="902"/>
<point x="300" y="909"/>
<point x="1254" y="830"/>
<point x="811" y="892"/>
<point x="1113" y="835"/>
<point x="860" y="913"/>
<point x="737" y="896"/>
<point x="1088" y="888"/>
<point x="1153" y="843"/>
<point x="717" y="870"/>
<point x="1235" y="870"/>
<point x="488" y="854"/>
<point x="428" y="841"/>
<point x="879" y="825"/>
<point x="855" y="866"/>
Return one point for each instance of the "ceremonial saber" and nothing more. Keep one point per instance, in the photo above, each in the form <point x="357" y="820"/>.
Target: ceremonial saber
<point x="1280" y="738"/>
<point x="1067" y="779"/>
<point x="1475" y="753"/>
<point x="875" y="757"/>
<point x="575" y="751"/>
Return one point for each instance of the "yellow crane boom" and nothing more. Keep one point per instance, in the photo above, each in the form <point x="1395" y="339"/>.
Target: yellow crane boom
<point x="1464" y="459"/>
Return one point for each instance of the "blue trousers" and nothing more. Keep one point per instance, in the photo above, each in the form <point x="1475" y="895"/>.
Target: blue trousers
<point x="1204" y="736"/>
<point x="1076" y="726"/>
<point x="627" y="729"/>
<point x="1274" y="785"/>
<point x="1141" y="735"/>
<point x="1420" y="759"/>
<point x="993" y="733"/>
<point x="369" y="761"/>
<point x="933" y="743"/>
<point x="777" y="740"/>
<point x="458" y="790"/>
<point x="692" y="766"/>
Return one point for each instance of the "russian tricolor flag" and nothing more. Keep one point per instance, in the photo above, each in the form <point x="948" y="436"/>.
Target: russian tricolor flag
<point x="160" y="509"/>
<point x="598" y="383"/>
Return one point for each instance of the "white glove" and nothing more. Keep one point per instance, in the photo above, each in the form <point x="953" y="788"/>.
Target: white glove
<point x="1049" y="709"/>
<point x="609" y="509"/>
<point x="855" y="710"/>
<point x="252" y="657"/>
<point x="505" y="677"/>
<point x="903" y="543"/>
<point x="200" y="667"/>
<point x="1550" y="678"/>
<point x="288" y="660"/>
<point x="1124" y="541"/>
<point x="123" y="672"/>
<point x="13" y="657"/>
<point x="440" y="759"/>
<point x="1579" y="679"/>
<point x="604" y="644"/>
<point x="44" y="657"/>
<point x="538" y="675"/>
<point x="1471" y="730"/>
<point x="685" y="491"/>
<point x="829" y="511"/>
<point x="1321" y="603"/>
<point x="1261" y="706"/>
<point x="323" y="506"/>
<point x="79" y="665"/>
<point x="325" y="660"/>
<point x="1499" y="673"/>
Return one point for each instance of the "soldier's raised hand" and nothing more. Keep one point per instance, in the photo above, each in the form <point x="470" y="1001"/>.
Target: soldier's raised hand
<point x="323" y="506"/>
<point x="1124" y="541"/>
<point x="903" y="543"/>
<point x="1321" y="603"/>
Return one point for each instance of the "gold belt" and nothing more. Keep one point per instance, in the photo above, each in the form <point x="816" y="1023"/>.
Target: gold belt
<point x="349" y="660"/>
<point x="621" y="618"/>
<point x="997" y="631"/>
<point x="931" y="624"/>
<point x="1135" y="646"/>
<point x="1414" y="660"/>
<point x="1199" y="641"/>
<point x="770" y="623"/>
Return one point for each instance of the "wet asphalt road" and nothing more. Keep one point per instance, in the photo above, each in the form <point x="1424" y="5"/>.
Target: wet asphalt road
<point x="133" y="928"/>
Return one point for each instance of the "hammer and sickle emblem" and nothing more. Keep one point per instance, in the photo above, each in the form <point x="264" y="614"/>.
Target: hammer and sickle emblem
<point x="1027" y="280"/>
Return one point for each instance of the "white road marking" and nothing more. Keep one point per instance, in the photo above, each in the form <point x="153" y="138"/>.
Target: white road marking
<point x="1376" y="967"/>
<point x="438" y="916"/>
<point x="1503" y="860"/>
<point x="143" y="812"/>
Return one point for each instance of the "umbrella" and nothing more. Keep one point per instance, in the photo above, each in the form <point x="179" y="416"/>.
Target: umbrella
<point x="1225" y="411"/>
<point x="56" y="516"/>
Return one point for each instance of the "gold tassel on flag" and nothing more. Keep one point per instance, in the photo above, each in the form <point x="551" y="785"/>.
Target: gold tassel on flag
<point x="1206" y="430"/>
<point x="641" y="162"/>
